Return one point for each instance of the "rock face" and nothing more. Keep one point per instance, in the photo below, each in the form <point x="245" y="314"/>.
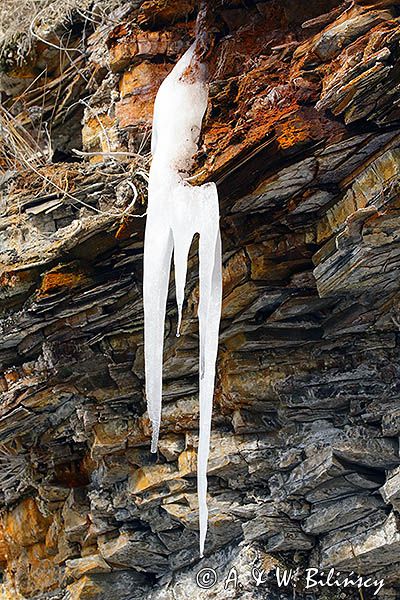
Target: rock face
<point x="302" y="137"/>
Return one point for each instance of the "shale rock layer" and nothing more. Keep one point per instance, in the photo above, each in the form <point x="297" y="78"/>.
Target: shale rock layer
<point x="302" y="138"/>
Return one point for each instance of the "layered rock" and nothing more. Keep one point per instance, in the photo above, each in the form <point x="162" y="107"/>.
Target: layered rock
<point x="301" y="137"/>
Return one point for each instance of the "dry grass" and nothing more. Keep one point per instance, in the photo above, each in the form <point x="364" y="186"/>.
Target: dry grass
<point x="25" y="145"/>
<point x="21" y="21"/>
<point x="16" y="15"/>
<point x="19" y="16"/>
<point x="18" y="148"/>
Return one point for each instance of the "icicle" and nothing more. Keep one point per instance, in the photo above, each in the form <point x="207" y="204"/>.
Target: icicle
<point x="176" y="212"/>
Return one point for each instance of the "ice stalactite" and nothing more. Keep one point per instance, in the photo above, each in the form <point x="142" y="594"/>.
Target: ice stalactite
<point x="176" y="212"/>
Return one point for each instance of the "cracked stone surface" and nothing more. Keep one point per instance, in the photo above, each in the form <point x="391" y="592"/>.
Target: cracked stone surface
<point x="302" y="138"/>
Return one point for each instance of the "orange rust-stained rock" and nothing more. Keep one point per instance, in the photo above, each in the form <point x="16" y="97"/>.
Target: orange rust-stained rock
<point x="143" y="78"/>
<point x="151" y="476"/>
<point x="125" y="230"/>
<point x="131" y="45"/>
<point x="25" y="524"/>
<point x="63" y="277"/>
<point x="138" y="89"/>
<point x="99" y="135"/>
<point x="17" y="281"/>
<point x="3" y="546"/>
<point x="34" y="572"/>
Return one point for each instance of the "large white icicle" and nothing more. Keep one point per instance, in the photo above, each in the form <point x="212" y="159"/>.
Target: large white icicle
<point x="176" y="212"/>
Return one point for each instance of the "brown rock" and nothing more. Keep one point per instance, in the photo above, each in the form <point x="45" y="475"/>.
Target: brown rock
<point x="151" y="476"/>
<point x="25" y="524"/>
<point x="78" y="567"/>
<point x="161" y="12"/>
<point x="75" y="516"/>
<point x="138" y="88"/>
<point x="301" y="136"/>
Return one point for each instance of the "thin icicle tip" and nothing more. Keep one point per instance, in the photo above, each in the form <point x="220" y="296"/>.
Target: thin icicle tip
<point x="154" y="437"/>
<point x="176" y="212"/>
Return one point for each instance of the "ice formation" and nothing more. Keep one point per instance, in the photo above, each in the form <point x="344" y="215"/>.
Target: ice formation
<point x="176" y="212"/>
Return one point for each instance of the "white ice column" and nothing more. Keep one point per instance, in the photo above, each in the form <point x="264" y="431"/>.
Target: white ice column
<point x="176" y="212"/>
